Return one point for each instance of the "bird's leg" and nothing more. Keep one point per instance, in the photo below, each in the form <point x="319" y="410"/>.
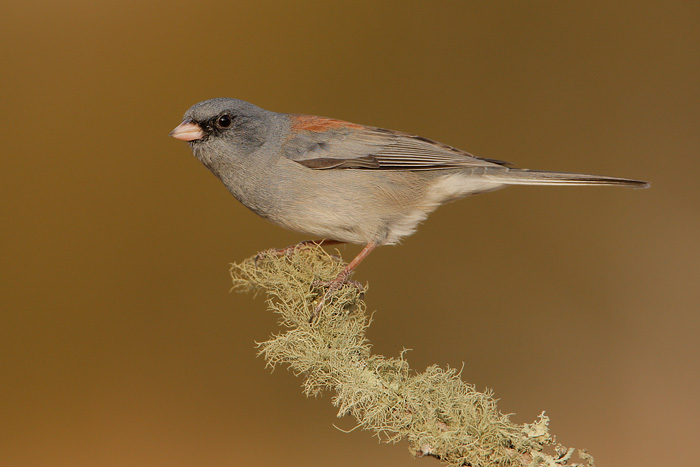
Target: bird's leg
<point x="342" y="278"/>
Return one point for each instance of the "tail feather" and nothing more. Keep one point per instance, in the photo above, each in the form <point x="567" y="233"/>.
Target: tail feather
<point x="538" y="177"/>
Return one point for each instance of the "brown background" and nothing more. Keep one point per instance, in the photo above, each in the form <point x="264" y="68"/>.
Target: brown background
<point x="121" y="344"/>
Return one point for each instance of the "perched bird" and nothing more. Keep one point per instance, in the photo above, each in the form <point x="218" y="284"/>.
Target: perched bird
<point x="341" y="181"/>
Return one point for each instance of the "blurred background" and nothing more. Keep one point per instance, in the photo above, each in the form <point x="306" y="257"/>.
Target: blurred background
<point x="120" y="342"/>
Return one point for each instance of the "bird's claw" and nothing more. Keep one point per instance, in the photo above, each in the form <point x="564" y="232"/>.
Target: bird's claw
<point x="332" y="286"/>
<point x="290" y="250"/>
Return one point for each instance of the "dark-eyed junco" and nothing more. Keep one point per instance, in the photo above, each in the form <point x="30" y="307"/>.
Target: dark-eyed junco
<point x="342" y="181"/>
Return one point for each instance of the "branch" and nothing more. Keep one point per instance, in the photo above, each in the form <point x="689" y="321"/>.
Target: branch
<point x="439" y="414"/>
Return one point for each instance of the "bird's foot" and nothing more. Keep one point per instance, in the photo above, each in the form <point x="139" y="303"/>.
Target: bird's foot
<point x="332" y="286"/>
<point x="290" y="250"/>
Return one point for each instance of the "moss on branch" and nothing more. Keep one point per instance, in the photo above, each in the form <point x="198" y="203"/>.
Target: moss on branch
<point x="439" y="414"/>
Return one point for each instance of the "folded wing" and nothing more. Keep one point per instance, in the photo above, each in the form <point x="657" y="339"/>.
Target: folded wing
<point x="333" y="144"/>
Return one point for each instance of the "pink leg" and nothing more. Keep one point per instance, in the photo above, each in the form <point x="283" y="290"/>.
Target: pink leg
<point x="343" y="277"/>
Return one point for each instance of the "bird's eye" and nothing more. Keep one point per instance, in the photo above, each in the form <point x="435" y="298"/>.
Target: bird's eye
<point x="224" y="121"/>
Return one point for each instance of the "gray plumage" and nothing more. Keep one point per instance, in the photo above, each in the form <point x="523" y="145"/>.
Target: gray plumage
<point x="337" y="180"/>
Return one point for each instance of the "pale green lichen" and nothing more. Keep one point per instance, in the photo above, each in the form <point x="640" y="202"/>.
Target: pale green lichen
<point x="438" y="413"/>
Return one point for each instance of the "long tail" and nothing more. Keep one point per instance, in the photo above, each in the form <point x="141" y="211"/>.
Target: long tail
<point x="538" y="177"/>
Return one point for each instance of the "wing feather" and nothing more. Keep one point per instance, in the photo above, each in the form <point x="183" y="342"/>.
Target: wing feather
<point x="343" y="145"/>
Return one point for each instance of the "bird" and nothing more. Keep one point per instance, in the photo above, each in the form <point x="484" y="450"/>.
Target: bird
<point x="344" y="182"/>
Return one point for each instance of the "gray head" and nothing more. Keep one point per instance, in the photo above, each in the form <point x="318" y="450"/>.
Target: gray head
<point x="223" y="127"/>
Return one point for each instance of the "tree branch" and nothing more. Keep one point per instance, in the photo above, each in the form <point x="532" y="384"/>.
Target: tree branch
<point x="440" y="415"/>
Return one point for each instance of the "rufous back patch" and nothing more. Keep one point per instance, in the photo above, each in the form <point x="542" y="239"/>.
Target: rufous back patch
<point x="319" y="124"/>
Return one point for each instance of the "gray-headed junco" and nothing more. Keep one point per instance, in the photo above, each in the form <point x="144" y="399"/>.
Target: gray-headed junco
<point x="342" y="181"/>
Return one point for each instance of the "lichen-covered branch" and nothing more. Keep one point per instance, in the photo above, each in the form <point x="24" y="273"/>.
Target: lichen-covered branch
<point x="438" y="413"/>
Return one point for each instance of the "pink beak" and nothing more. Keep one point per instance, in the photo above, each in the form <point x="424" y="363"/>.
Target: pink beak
<point x="187" y="131"/>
